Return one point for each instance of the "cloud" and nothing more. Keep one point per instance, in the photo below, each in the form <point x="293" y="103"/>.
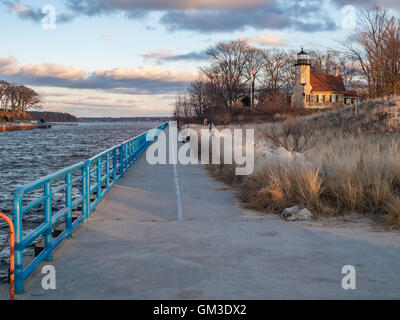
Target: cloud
<point x="92" y="7"/>
<point x="202" y="15"/>
<point x="107" y="36"/>
<point x="17" y="7"/>
<point x="266" y="40"/>
<point x="141" y="80"/>
<point x="368" y="3"/>
<point x="148" y="73"/>
<point x="305" y="15"/>
<point x="167" y="55"/>
<point x="26" y="12"/>
<point x="5" y="62"/>
<point x="9" y="67"/>
<point x="97" y="103"/>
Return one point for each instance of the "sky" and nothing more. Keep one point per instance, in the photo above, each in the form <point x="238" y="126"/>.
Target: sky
<point x="115" y="58"/>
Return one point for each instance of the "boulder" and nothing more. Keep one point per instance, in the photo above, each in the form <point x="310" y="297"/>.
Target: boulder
<point x="296" y="214"/>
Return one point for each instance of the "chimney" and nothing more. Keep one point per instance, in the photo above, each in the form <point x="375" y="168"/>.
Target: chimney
<point x="337" y="72"/>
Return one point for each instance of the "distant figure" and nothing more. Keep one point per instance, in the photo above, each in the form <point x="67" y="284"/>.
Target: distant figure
<point x="187" y="139"/>
<point x="212" y="129"/>
<point x="205" y="122"/>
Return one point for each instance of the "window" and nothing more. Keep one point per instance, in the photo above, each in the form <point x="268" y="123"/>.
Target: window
<point x="330" y="99"/>
<point x="317" y="99"/>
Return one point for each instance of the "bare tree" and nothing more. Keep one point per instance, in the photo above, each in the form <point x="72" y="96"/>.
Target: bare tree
<point x="294" y="135"/>
<point x="279" y="72"/>
<point x="196" y="92"/>
<point x="12" y="96"/>
<point x="228" y="61"/>
<point x="391" y="52"/>
<point x="215" y="98"/>
<point x="182" y="107"/>
<point x="324" y="61"/>
<point x="350" y="73"/>
<point x="254" y="65"/>
<point x="28" y="99"/>
<point x="288" y="75"/>
<point x="3" y="96"/>
<point x="378" y="50"/>
<point x="18" y="98"/>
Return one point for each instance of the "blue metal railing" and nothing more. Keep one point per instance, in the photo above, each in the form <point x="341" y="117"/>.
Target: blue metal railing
<point x="95" y="177"/>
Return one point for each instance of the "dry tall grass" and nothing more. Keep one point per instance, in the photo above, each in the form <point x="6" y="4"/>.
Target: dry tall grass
<point x="353" y="166"/>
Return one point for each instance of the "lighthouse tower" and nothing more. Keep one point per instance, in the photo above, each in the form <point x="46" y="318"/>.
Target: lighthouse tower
<point x="302" y="88"/>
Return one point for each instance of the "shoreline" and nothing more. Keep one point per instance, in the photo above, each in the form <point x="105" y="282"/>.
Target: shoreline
<point x="17" y="127"/>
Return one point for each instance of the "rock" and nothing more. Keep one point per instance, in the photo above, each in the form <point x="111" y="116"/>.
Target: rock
<point x="289" y="212"/>
<point x="296" y="214"/>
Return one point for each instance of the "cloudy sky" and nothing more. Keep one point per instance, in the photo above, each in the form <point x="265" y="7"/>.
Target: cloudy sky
<point x="130" y="57"/>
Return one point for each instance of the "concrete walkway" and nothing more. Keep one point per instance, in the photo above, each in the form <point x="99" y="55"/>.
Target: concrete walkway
<point x="134" y="248"/>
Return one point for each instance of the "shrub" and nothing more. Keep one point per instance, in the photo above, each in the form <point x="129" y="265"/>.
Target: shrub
<point x="349" y="167"/>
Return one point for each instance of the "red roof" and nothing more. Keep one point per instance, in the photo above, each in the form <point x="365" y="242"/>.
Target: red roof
<point x="323" y="82"/>
<point x="350" y="94"/>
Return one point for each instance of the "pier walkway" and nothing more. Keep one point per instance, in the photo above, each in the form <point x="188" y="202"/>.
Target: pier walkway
<point x="133" y="247"/>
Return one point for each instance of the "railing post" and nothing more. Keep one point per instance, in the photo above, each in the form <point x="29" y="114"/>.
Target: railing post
<point x="68" y="204"/>
<point x="85" y="193"/>
<point x="114" y="165"/>
<point x="48" y="240"/>
<point x="127" y="146"/>
<point x="130" y="153"/>
<point x="121" y="161"/>
<point x="88" y="181"/>
<point x="126" y="156"/>
<point x="98" y="192"/>
<point x="134" y="149"/>
<point x="19" y="264"/>
<point x="139" y="147"/>
<point x="141" y="144"/>
<point x="108" y="171"/>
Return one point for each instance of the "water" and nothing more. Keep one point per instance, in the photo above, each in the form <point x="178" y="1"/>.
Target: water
<point x="29" y="155"/>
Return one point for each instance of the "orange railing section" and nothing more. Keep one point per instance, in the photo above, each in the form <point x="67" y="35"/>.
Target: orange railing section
<point x="11" y="225"/>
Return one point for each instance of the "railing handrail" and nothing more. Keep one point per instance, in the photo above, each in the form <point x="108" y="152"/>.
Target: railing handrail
<point x="11" y="233"/>
<point x="117" y="160"/>
<point x="138" y="136"/>
<point x="41" y="181"/>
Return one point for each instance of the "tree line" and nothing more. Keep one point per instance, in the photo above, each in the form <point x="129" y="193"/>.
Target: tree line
<point x="50" y="116"/>
<point x="16" y="98"/>
<point x="239" y="75"/>
<point x="376" y="51"/>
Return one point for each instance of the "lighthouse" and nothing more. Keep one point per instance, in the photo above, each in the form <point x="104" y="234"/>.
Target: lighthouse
<point x="302" y="87"/>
